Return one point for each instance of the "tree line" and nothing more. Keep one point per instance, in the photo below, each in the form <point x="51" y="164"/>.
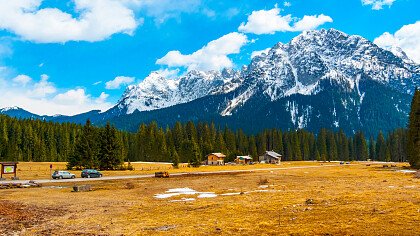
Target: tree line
<point x="106" y="147"/>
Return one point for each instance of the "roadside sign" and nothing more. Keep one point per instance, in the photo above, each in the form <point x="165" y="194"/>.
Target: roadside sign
<point x="8" y="168"/>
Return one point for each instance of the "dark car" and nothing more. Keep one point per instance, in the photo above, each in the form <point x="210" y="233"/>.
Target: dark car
<point x="89" y="173"/>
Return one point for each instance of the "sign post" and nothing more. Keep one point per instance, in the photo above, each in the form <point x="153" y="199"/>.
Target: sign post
<point x="51" y="171"/>
<point x="8" y="168"/>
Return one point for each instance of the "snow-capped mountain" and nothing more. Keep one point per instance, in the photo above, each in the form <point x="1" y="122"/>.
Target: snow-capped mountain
<point x="156" y="91"/>
<point x="320" y="79"/>
<point x="18" y="112"/>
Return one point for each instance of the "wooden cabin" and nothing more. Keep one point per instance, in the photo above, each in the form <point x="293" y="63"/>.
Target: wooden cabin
<point x="216" y="159"/>
<point x="271" y="157"/>
<point x="245" y="160"/>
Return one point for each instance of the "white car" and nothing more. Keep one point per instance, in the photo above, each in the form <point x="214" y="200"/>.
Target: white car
<point x="58" y="174"/>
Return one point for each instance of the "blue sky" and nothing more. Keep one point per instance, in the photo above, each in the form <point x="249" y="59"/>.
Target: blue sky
<point x="56" y="56"/>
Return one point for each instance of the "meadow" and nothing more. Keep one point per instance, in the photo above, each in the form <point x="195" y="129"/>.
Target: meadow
<point x="41" y="170"/>
<point x="330" y="200"/>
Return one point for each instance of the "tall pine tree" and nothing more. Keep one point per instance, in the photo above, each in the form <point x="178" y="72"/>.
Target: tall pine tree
<point x="413" y="137"/>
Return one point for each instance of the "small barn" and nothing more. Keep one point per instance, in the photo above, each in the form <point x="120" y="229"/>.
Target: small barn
<point x="243" y="160"/>
<point x="216" y="159"/>
<point x="271" y="157"/>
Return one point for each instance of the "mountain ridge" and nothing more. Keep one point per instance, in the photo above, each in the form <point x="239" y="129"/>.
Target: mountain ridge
<point x="284" y="84"/>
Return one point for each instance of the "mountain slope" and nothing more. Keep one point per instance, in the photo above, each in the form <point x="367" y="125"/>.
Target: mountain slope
<point x="320" y="79"/>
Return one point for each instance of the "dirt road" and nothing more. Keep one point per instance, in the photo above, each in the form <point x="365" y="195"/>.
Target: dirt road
<point x="43" y="181"/>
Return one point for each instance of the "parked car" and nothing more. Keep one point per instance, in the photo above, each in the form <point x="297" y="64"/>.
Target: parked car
<point x="90" y="173"/>
<point x="58" y="174"/>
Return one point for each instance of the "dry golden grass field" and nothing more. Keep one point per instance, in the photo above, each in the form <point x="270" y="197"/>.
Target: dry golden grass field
<point x="338" y="200"/>
<point x="41" y="170"/>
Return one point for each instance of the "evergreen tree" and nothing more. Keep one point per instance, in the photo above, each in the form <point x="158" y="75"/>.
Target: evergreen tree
<point x="372" y="153"/>
<point x="174" y="158"/>
<point x="380" y="147"/>
<point x="86" y="149"/>
<point x="413" y="136"/>
<point x="109" y="155"/>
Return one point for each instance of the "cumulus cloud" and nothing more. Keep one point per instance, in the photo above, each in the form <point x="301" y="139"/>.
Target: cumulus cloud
<point x="41" y="97"/>
<point x="271" y="21"/>
<point x="102" y="98"/>
<point x="43" y="87"/>
<point x="311" y="22"/>
<point x="287" y="4"/>
<point x="118" y="81"/>
<point x="213" y="56"/>
<point x="98" y="20"/>
<point x="22" y="80"/>
<point x="378" y="4"/>
<point x="407" y="38"/>
<point x="260" y="52"/>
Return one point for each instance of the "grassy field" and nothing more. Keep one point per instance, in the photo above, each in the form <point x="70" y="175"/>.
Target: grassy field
<point x="340" y="200"/>
<point x="41" y="170"/>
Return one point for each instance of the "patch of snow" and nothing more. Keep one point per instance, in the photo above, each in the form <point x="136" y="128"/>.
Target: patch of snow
<point x="229" y="194"/>
<point x="183" y="200"/>
<point x="207" y="195"/>
<point x="407" y="171"/>
<point x="236" y="102"/>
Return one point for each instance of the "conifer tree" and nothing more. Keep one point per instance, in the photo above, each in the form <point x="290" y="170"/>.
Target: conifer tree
<point x="174" y="158"/>
<point x="372" y="153"/>
<point x="413" y="136"/>
<point x="109" y="154"/>
<point x="380" y="147"/>
<point x="86" y="149"/>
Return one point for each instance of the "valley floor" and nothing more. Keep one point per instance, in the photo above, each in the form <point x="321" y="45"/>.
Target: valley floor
<point x="332" y="200"/>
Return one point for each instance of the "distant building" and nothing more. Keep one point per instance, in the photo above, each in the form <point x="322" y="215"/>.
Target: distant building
<point x="243" y="160"/>
<point x="271" y="157"/>
<point x="216" y="159"/>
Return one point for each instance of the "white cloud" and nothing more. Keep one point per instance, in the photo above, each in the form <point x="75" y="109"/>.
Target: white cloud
<point x="97" y="82"/>
<point x="378" y="4"/>
<point x="98" y="20"/>
<point x="73" y="96"/>
<point x="232" y="12"/>
<point x="102" y="98"/>
<point x="287" y="4"/>
<point x="407" y="38"/>
<point x="43" y="87"/>
<point x="213" y="56"/>
<point x="118" y="81"/>
<point x="42" y="98"/>
<point x="270" y="22"/>
<point x="311" y="22"/>
<point x="22" y="80"/>
<point x="161" y="10"/>
<point x="260" y="52"/>
<point x="169" y="74"/>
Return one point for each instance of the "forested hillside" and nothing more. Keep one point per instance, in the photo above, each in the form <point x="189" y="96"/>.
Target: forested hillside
<point x="35" y="140"/>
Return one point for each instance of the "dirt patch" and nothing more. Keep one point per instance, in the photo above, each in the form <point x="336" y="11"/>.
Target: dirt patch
<point x="15" y="217"/>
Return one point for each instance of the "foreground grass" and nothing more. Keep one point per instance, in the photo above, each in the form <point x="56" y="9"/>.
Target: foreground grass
<point x="339" y="200"/>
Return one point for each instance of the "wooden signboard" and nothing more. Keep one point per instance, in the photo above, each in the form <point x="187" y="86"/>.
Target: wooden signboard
<point x="8" y="168"/>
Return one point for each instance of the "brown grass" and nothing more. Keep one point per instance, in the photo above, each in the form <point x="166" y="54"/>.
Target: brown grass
<point x="340" y="200"/>
<point x="41" y="170"/>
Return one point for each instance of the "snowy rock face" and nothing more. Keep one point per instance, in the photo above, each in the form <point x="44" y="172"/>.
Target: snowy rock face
<point x="297" y="67"/>
<point x="156" y="91"/>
